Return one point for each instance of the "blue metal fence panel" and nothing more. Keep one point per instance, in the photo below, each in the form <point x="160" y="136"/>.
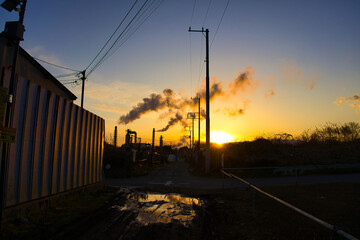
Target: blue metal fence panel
<point x="39" y="143"/>
<point x="87" y="149"/>
<point x="15" y="151"/>
<point x="50" y="145"/>
<point x="56" y="168"/>
<point x="69" y="160"/>
<point x="65" y="146"/>
<point x="58" y="147"/>
<point x="28" y="144"/>
<point x="74" y="135"/>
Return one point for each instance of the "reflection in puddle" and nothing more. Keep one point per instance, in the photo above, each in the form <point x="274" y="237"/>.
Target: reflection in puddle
<point x="162" y="208"/>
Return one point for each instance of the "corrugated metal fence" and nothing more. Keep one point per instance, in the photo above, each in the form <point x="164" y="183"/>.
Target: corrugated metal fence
<point x="58" y="147"/>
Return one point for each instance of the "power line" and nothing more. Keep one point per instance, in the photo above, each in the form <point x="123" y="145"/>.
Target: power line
<point x="117" y="39"/>
<point x="112" y="34"/>
<point x="55" y="65"/>
<point x="192" y="14"/>
<point x="143" y="21"/>
<point x="67" y="75"/>
<point x="132" y="29"/>
<point x="76" y="83"/>
<point x="190" y="62"/>
<point x="207" y="12"/>
<point x="227" y="4"/>
<point x="70" y="81"/>
<point x="201" y="67"/>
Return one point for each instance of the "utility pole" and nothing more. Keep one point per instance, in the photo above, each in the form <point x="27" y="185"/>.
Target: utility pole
<point x="188" y="128"/>
<point x="115" y="136"/>
<point x="83" y="78"/>
<point x="207" y="151"/>
<point x="192" y="116"/>
<point x="10" y="29"/>
<point x="14" y="32"/>
<point x="152" y="147"/>
<point x="199" y="118"/>
<point x="199" y="127"/>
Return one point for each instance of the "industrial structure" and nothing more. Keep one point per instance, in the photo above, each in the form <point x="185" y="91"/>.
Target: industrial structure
<point x="130" y="138"/>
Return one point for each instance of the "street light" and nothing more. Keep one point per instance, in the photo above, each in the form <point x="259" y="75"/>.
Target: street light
<point x="14" y="32"/>
<point x="10" y="4"/>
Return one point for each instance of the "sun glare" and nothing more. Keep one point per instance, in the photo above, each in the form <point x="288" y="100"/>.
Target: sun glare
<point x="221" y="137"/>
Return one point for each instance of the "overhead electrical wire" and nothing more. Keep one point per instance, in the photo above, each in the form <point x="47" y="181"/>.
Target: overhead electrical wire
<point x="75" y="73"/>
<point x="132" y="29"/>
<point x="135" y="23"/>
<point x="202" y="62"/>
<point x="140" y="24"/>
<point x="67" y="75"/>
<point x="70" y="80"/>
<point x="201" y="67"/>
<point x="217" y="29"/>
<point x="207" y="12"/>
<point x="112" y="35"/>
<point x="116" y="40"/>
<point x="192" y="14"/>
<point x="190" y="62"/>
<point x="55" y="65"/>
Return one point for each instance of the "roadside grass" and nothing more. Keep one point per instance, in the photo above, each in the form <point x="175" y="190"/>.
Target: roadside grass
<point x="46" y="222"/>
<point x="232" y="215"/>
<point x="291" y="172"/>
<point x="228" y="214"/>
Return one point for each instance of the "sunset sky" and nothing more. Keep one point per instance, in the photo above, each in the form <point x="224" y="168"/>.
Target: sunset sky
<point x="280" y="66"/>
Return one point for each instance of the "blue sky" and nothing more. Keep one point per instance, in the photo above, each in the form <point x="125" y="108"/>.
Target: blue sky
<point x="306" y="52"/>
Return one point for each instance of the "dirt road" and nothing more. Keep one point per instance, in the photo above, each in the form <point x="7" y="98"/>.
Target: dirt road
<point x="141" y="212"/>
<point x="176" y="175"/>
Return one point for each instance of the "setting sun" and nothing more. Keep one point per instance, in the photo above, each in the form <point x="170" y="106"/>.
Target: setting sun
<point x="221" y="137"/>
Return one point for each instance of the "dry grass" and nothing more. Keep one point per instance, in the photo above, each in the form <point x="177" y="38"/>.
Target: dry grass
<point x="337" y="204"/>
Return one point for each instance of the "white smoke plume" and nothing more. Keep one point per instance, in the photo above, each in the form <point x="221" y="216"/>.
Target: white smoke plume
<point x="353" y="101"/>
<point x="182" y="142"/>
<point x="178" y="118"/>
<point x="176" y="103"/>
<point x="244" y="82"/>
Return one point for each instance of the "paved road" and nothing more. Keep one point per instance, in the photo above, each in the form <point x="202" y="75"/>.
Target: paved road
<point x="176" y="175"/>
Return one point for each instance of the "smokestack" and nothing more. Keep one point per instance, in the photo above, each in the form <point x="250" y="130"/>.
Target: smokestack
<point x="152" y="147"/>
<point x="127" y="137"/>
<point x="115" y="136"/>
<point x="161" y="143"/>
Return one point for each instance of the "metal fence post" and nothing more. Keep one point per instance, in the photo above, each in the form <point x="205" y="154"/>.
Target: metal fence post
<point x="253" y="201"/>
<point x="222" y="168"/>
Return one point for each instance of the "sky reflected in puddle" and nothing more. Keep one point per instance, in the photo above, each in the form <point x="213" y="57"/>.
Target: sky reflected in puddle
<point x="162" y="208"/>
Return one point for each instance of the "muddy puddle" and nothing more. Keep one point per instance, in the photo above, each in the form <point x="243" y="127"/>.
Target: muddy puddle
<point x="153" y="208"/>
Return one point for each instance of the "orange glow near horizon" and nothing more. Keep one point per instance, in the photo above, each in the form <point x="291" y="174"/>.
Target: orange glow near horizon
<point x="221" y="137"/>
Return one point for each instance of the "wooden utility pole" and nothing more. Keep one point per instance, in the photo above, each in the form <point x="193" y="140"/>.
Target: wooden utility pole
<point x="207" y="151"/>
<point x="152" y="147"/>
<point x="8" y="5"/>
<point x="83" y="78"/>
<point x="115" y="136"/>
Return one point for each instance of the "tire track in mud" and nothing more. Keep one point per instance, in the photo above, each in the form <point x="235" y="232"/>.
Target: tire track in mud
<point x="142" y="215"/>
